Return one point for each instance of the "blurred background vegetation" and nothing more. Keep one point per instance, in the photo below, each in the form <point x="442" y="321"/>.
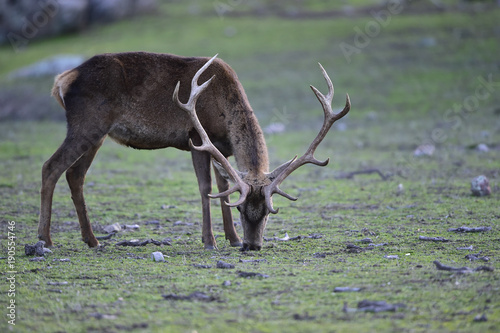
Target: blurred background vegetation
<point x="414" y="63"/>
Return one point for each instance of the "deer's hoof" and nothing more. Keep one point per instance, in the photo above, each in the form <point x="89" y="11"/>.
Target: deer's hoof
<point x="210" y="247"/>
<point x="47" y="240"/>
<point x="236" y="244"/>
<point x="92" y="243"/>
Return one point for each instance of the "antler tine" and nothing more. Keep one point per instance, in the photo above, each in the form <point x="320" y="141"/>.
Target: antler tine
<point x="207" y="145"/>
<point x="308" y="157"/>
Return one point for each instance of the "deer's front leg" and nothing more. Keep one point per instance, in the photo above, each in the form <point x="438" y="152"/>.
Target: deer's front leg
<point x="201" y="163"/>
<point x="227" y="217"/>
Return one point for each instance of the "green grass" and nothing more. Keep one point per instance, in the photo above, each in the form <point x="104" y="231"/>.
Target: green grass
<point x="401" y="93"/>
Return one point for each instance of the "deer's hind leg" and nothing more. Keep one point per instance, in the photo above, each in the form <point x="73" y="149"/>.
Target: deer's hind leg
<point x="75" y="176"/>
<point x="70" y="151"/>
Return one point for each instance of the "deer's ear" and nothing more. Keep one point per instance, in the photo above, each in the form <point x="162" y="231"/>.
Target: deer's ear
<point x="220" y="169"/>
<point x="276" y="172"/>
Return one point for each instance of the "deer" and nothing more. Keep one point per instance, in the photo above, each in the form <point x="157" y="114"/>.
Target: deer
<point x="135" y="99"/>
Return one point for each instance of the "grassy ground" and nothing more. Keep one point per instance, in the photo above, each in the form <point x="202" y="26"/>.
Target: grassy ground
<point x="420" y="79"/>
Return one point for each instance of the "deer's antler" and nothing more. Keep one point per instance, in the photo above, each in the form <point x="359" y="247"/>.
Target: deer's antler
<point x="207" y="145"/>
<point x="308" y="157"/>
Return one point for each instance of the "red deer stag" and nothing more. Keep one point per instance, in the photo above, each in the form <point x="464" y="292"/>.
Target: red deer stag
<point x="128" y="96"/>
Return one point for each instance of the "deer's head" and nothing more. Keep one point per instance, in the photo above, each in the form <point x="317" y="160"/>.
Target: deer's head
<point x="256" y="190"/>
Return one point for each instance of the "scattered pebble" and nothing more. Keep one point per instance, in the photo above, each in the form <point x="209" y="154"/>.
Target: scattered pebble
<point x="157" y="256"/>
<point x="476" y="256"/>
<point x="252" y="274"/>
<point x="378" y="306"/>
<point x="37" y="259"/>
<point x="345" y="289"/>
<point x="364" y="240"/>
<point x="59" y="291"/>
<point x="59" y="283"/>
<point x="480" y="186"/>
<point x="391" y="256"/>
<point x="98" y="315"/>
<point x="112" y="228"/>
<point x="183" y="223"/>
<point x="424" y="150"/>
<point x="427" y="42"/>
<point x="224" y="265"/>
<point x="480" y="318"/>
<point x="131" y="226"/>
<point x="195" y="296"/>
<point x="252" y="260"/>
<point x="466" y="248"/>
<point x="38" y="249"/>
<point x="467" y="229"/>
<point x="226" y="283"/>
<point x="433" y="239"/>
<point x="483" y="148"/>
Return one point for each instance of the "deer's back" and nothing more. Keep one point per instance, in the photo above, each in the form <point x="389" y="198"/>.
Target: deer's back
<point x="129" y="96"/>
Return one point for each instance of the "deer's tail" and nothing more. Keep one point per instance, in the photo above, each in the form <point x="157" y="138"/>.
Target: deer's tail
<point x="62" y="83"/>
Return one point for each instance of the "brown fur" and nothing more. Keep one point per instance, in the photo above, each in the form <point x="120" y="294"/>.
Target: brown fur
<point x="128" y="96"/>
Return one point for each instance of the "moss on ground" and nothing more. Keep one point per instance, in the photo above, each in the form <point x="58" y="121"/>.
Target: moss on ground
<point x="402" y="93"/>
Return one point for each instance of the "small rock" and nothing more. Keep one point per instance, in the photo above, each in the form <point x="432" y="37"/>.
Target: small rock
<point x="37" y="259"/>
<point x="390" y="256"/>
<point x="157" y="256"/>
<point x="364" y="240"/>
<point x="483" y="148"/>
<point x="131" y="226"/>
<point x="115" y="227"/>
<point x="378" y="306"/>
<point x="58" y="283"/>
<point x="226" y="283"/>
<point x="425" y="150"/>
<point x="427" y="42"/>
<point x="345" y="289"/>
<point x="224" y="265"/>
<point x="183" y="223"/>
<point x="480" y="318"/>
<point x="37" y="249"/>
<point x="247" y="275"/>
<point x="480" y="186"/>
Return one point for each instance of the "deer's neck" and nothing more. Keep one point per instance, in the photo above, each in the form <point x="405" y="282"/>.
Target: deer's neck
<point x="249" y="146"/>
